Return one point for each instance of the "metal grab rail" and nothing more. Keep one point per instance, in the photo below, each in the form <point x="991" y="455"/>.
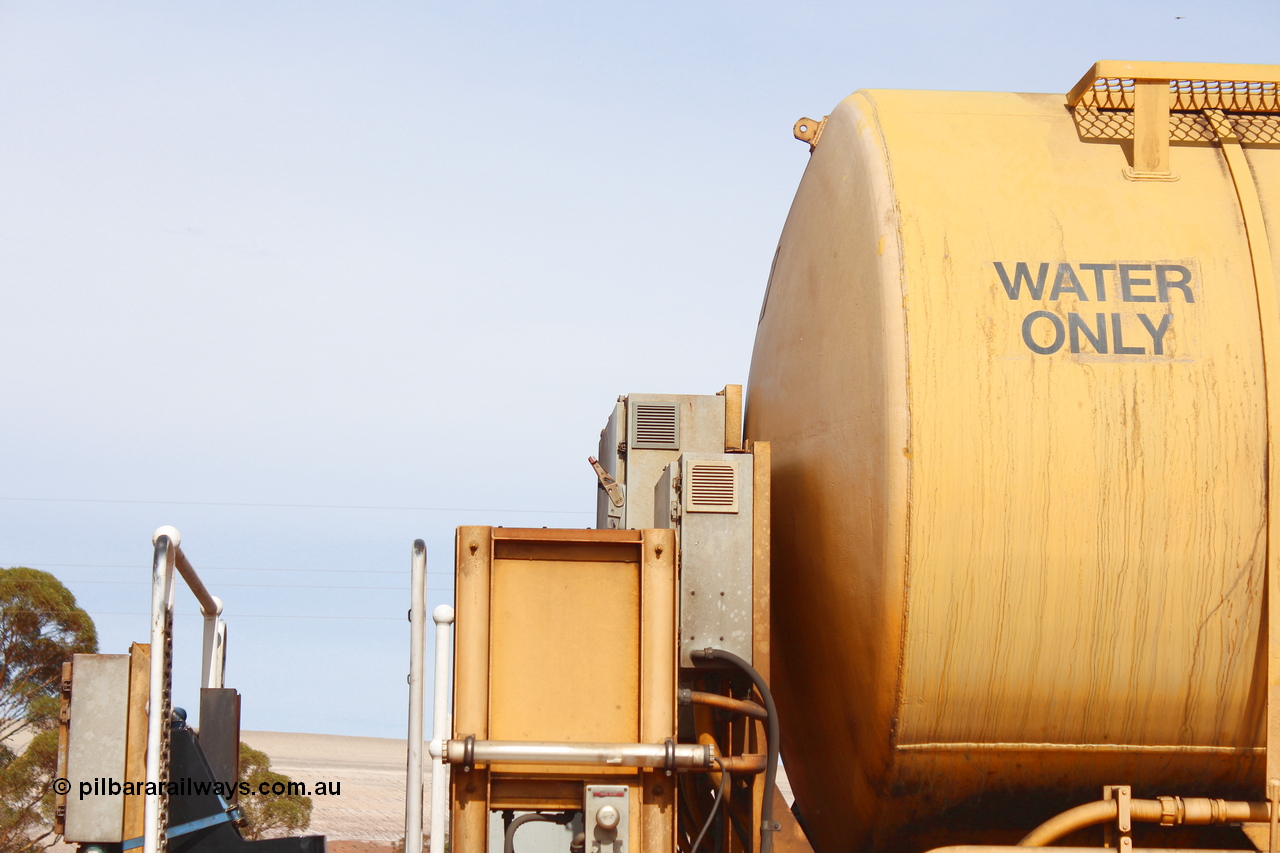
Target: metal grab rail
<point x="417" y="640"/>
<point x="165" y="558"/>
<point x="443" y="617"/>
<point x="663" y="756"/>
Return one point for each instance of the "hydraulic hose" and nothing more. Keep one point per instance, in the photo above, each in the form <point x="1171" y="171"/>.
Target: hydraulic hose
<point x="711" y="815"/>
<point x="772" y="736"/>
<point x="508" y="841"/>
<point x="1090" y="814"/>
<point x="1169" y="811"/>
<point x="727" y="703"/>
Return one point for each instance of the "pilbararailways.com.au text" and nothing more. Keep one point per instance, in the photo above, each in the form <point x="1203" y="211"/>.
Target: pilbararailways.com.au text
<point x="105" y="787"/>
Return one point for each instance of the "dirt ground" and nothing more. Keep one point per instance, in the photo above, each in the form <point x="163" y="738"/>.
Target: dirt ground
<point x="370" y="808"/>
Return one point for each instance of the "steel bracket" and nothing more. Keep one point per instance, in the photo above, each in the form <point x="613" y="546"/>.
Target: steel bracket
<point x="1119" y="836"/>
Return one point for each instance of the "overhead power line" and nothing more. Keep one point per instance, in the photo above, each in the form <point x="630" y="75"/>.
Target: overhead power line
<point x="96" y="613"/>
<point x="300" y="506"/>
<point x="145" y="568"/>
<point x="273" y="586"/>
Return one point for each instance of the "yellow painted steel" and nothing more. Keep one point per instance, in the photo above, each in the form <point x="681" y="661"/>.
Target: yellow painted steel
<point x="564" y="636"/>
<point x="1016" y="395"/>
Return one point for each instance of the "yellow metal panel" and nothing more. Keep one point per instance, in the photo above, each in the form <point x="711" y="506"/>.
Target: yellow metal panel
<point x="471" y="633"/>
<point x="1110" y="503"/>
<point x="828" y="390"/>
<point x="762" y="603"/>
<point x="657" y="628"/>
<point x="732" y="417"/>
<point x="1269" y="313"/>
<point x="572" y="634"/>
<point x="565" y="646"/>
<point x="1004" y="557"/>
<point x="135" y="759"/>
<point x="655" y="793"/>
<point x="473" y="548"/>
<point x="64" y="731"/>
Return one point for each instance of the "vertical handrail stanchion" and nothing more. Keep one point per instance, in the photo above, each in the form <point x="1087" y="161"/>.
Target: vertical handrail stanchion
<point x="417" y="651"/>
<point x="166" y="558"/>
<point x="443" y="616"/>
<point x="166" y="541"/>
<point x="213" y="661"/>
<point x="211" y="610"/>
<point x="219" y="652"/>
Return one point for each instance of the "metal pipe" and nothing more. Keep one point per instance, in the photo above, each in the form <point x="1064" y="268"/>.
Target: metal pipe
<point x="710" y="740"/>
<point x="999" y="848"/>
<point x="213" y="662"/>
<point x="1069" y="821"/>
<point x="417" y="651"/>
<point x="727" y="703"/>
<point x="509" y="837"/>
<point x="1169" y="811"/>
<point x="213" y="665"/>
<point x="750" y="764"/>
<point x="165" y="540"/>
<point x="443" y="616"/>
<point x="772" y="737"/>
<point x="669" y="756"/>
<point x="210" y="605"/>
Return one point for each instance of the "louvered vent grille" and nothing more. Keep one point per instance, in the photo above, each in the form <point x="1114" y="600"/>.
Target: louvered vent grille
<point x="656" y="426"/>
<point x="713" y="487"/>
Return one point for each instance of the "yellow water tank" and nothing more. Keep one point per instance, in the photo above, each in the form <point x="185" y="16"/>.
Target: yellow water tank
<point x="1013" y="362"/>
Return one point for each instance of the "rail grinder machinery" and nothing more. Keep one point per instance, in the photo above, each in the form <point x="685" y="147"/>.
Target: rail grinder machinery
<point x="985" y="552"/>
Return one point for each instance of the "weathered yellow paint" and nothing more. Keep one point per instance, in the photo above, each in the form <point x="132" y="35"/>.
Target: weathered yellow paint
<point x="1119" y="69"/>
<point x="542" y="684"/>
<point x="997" y="569"/>
<point x="564" y="636"/>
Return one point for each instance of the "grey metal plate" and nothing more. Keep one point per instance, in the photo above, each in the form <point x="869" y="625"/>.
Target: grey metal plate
<point x="96" y="746"/>
<point x="716" y="552"/>
<point x="533" y="837"/>
<point x="220" y="732"/>
<point x="701" y="431"/>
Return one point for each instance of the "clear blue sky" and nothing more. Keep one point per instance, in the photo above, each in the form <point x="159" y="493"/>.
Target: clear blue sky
<point x="399" y="258"/>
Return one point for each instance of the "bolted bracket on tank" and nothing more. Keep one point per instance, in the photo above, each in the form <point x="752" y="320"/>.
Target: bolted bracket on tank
<point x="809" y="130"/>
<point x="1119" y="836"/>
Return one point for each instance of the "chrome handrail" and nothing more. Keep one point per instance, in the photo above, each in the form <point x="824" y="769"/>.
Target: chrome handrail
<point x="165" y="558"/>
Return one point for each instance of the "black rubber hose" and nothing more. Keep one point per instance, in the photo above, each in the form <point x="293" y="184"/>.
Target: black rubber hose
<point x="772" y="735"/>
<point x="508" y="842"/>
<point x="724" y="792"/>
